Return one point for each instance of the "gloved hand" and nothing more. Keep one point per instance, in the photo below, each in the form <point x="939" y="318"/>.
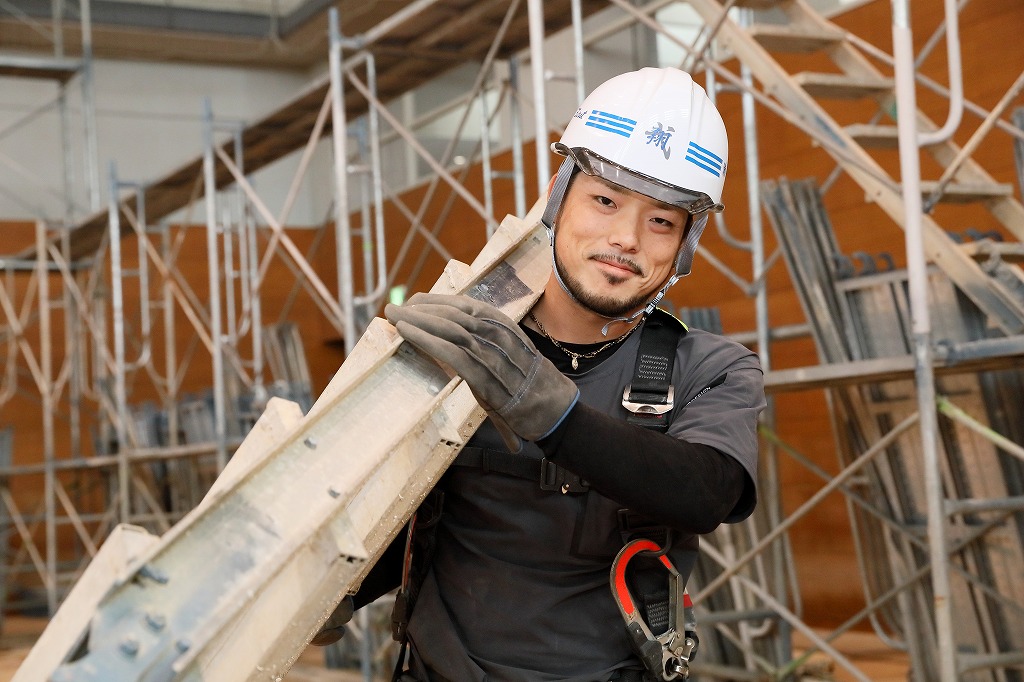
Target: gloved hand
<point x="334" y="628"/>
<point x="522" y="391"/>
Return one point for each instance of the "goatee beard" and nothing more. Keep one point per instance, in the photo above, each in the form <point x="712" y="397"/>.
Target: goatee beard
<point x="602" y="305"/>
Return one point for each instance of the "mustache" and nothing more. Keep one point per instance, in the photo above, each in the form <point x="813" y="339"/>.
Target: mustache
<point x="631" y="265"/>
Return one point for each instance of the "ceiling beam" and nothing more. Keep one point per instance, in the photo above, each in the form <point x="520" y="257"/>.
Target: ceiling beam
<point x="177" y="18"/>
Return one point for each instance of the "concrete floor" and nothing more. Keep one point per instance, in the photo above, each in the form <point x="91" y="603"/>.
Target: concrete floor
<point x="877" y="661"/>
<point x="19" y="634"/>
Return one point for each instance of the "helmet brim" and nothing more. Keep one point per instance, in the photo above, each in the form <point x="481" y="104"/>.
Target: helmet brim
<point x="694" y="203"/>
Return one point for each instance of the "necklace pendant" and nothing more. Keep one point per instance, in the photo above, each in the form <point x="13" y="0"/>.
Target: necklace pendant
<point x="575" y="362"/>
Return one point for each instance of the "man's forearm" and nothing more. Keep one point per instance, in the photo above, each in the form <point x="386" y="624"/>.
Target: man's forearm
<point x="688" y="486"/>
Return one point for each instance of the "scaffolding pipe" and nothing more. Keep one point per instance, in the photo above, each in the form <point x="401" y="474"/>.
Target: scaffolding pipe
<point x="47" y="395"/>
<point x="89" y="109"/>
<point x="910" y="172"/>
<point x="535" y="9"/>
<point x="255" y="302"/>
<point x="953" y="167"/>
<point x="170" y="345"/>
<point x="143" y="274"/>
<point x="342" y="227"/>
<point x="577" y="50"/>
<point x="212" y="260"/>
<point x="117" y="317"/>
<point x="748" y="106"/>
<point x="938" y="89"/>
<point x="516" y="138"/>
<point x="956" y="80"/>
<point x="75" y="353"/>
<point x="485" y="160"/>
<point x="227" y="237"/>
<point x="374" y="296"/>
<point x="228" y="232"/>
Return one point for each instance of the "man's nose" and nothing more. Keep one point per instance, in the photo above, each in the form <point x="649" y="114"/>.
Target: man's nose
<point x="625" y="233"/>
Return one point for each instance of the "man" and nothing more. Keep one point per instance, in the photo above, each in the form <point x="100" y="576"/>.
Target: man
<point x="516" y="585"/>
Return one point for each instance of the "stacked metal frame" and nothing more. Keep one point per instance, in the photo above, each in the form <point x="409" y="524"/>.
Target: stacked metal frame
<point x="860" y="311"/>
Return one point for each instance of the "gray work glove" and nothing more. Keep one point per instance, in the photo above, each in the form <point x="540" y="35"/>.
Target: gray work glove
<point x="334" y="629"/>
<point x="522" y="391"/>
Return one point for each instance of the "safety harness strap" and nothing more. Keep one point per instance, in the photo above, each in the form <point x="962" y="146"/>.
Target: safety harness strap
<point x="649" y="397"/>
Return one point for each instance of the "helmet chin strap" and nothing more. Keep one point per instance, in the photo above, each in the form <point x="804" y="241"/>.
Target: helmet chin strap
<point x="558" y="189"/>
<point x="643" y="312"/>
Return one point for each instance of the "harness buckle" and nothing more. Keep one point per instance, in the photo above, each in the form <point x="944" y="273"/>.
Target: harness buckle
<point x="554" y="477"/>
<point x="648" y="408"/>
<point x="666" y="656"/>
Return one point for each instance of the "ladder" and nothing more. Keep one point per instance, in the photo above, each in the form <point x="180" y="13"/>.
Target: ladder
<point x="306" y="505"/>
<point x="796" y="28"/>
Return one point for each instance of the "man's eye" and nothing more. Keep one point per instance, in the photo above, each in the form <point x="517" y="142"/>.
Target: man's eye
<point x="604" y="201"/>
<point x="664" y="222"/>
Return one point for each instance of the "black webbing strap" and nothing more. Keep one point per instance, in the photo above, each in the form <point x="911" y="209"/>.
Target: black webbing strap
<point x="547" y="474"/>
<point x="649" y="397"/>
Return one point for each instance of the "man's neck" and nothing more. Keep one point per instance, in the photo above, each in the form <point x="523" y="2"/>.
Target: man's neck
<point x="567" y="320"/>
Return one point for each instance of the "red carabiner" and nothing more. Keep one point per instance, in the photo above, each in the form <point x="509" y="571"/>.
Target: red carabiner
<point x="666" y="656"/>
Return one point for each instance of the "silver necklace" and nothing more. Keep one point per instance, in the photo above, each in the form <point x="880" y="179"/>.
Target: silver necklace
<point x="576" y="357"/>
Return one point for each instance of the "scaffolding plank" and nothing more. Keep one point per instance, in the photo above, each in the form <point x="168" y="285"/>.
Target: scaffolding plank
<point x="872" y="136"/>
<point x="49" y="68"/>
<point x="791" y="38"/>
<point x="986" y="249"/>
<point x="842" y="86"/>
<point x="884" y="369"/>
<point x="968" y="192"/>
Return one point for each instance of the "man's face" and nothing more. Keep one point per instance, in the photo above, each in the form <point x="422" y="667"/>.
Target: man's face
<point x="613" y="247"/>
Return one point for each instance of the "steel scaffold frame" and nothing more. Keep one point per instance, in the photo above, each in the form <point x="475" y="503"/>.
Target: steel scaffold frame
<point x="740" y="551"/>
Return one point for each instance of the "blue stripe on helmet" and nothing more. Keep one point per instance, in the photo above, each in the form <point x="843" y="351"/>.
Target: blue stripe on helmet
<point x="602" y="120"/>
<point x="704" y="159"/>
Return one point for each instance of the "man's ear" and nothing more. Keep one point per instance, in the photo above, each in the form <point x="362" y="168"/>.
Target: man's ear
<point x="551" y="183"/>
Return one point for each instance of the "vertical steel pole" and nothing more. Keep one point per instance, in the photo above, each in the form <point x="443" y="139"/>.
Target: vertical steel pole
<point x="515" y="116"/>
<point x="377" y="173"/>
<point x="376" y="287"/>
<point x="485" y="153"/>
<point x="47" y="395"/>
<point x="72" y="324"/>
<point x="170" y="344"/>
<point x="144" y="300"/>
<point x="342" y="228"/>
<point x="577" y="45"/>
<point x="232" y="274"/>
<point x="117" y="317"/>
<point x="910" y="172"/>
<point x="213" y="264"/>
<point x="74" y="345"/>
<point x="535" y="9"/>
<point x="365" y="217"/>
<point x="89" y="109"/>
<point x="256" y="305"/>
<point x="230" y="314"/>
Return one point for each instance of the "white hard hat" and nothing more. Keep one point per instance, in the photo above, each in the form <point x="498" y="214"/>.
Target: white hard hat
<point x="652" y="131"/>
